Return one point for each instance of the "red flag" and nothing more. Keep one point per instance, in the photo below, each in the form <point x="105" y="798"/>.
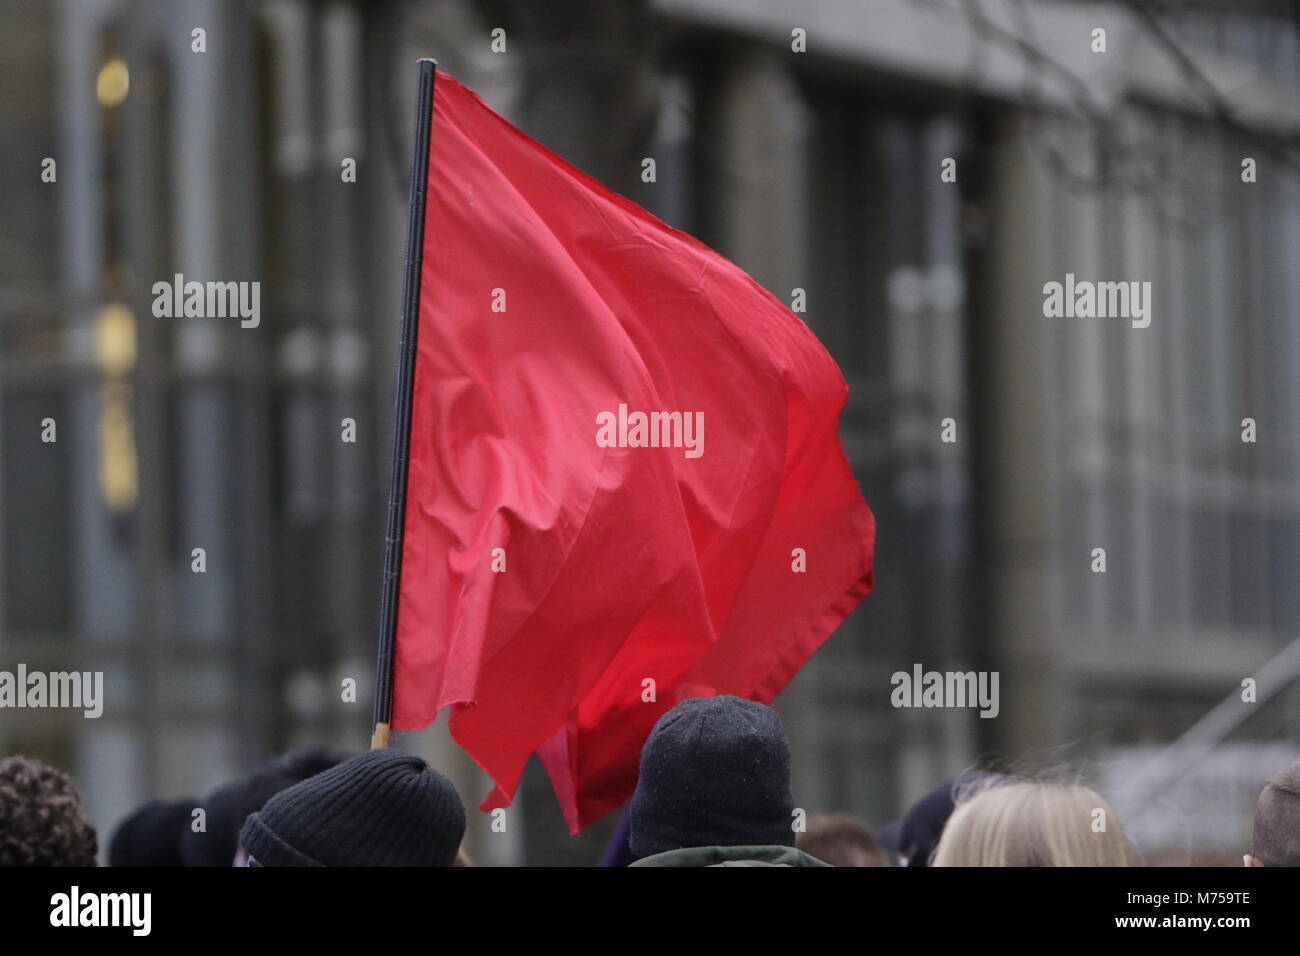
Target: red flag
<point x="625" y="482"/>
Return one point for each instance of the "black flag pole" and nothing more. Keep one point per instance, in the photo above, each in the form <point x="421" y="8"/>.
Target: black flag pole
<point x="409" y="336"/>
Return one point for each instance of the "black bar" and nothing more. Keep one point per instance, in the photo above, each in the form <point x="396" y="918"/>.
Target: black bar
<point x="947" y="904"/>
<point x="405" y="387"/>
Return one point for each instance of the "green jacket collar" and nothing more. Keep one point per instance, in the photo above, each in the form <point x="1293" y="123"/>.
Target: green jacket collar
<point x="732" y="856"/>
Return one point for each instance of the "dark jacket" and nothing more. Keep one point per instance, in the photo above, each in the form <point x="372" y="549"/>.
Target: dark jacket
<point x="732" y="856"/>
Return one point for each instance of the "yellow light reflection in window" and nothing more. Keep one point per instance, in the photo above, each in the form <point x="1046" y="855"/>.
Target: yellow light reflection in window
<point x="115" y="355"/>
<point x="114" y="83"/>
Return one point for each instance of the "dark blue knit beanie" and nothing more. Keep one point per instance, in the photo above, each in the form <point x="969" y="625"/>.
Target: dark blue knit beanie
<point x="715" y="771"/>
<point x="381" y="808"/>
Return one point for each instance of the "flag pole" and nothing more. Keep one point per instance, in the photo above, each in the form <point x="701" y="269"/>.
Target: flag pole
<point x="409" y="335"/>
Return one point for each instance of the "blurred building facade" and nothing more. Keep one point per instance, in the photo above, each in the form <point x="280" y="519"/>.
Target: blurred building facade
<point x="815" y="169"/>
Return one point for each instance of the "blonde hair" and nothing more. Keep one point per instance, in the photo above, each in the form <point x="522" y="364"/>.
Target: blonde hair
<point x="1028" y="823"/>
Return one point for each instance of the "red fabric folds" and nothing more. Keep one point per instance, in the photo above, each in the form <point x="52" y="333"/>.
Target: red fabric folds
<point x="552" y="312"/>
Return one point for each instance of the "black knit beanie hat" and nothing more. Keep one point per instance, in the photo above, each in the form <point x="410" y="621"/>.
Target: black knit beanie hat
<point x="230" y="804"/>
<point x="381" y="808"/>
<point x="715" y="771"/>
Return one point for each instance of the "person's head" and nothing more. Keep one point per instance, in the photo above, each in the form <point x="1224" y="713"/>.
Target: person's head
<point x="42" y="822"/>
<point x="1028" y="823"/>
<point x="915" y="836"/>
<point x="1276" y="839"/>
<point x="840" y="839"/>
<point x="380" y="808"/>
<point x="715" y="771"/>
<point x="151" y="836"/>
<point x="226" y="808"/>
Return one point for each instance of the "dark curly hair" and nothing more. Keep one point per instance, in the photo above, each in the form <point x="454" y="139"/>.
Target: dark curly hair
<point x="42" y="822"/>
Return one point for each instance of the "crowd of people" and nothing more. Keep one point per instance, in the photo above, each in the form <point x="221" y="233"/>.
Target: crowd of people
<point x="714" y="790"/>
